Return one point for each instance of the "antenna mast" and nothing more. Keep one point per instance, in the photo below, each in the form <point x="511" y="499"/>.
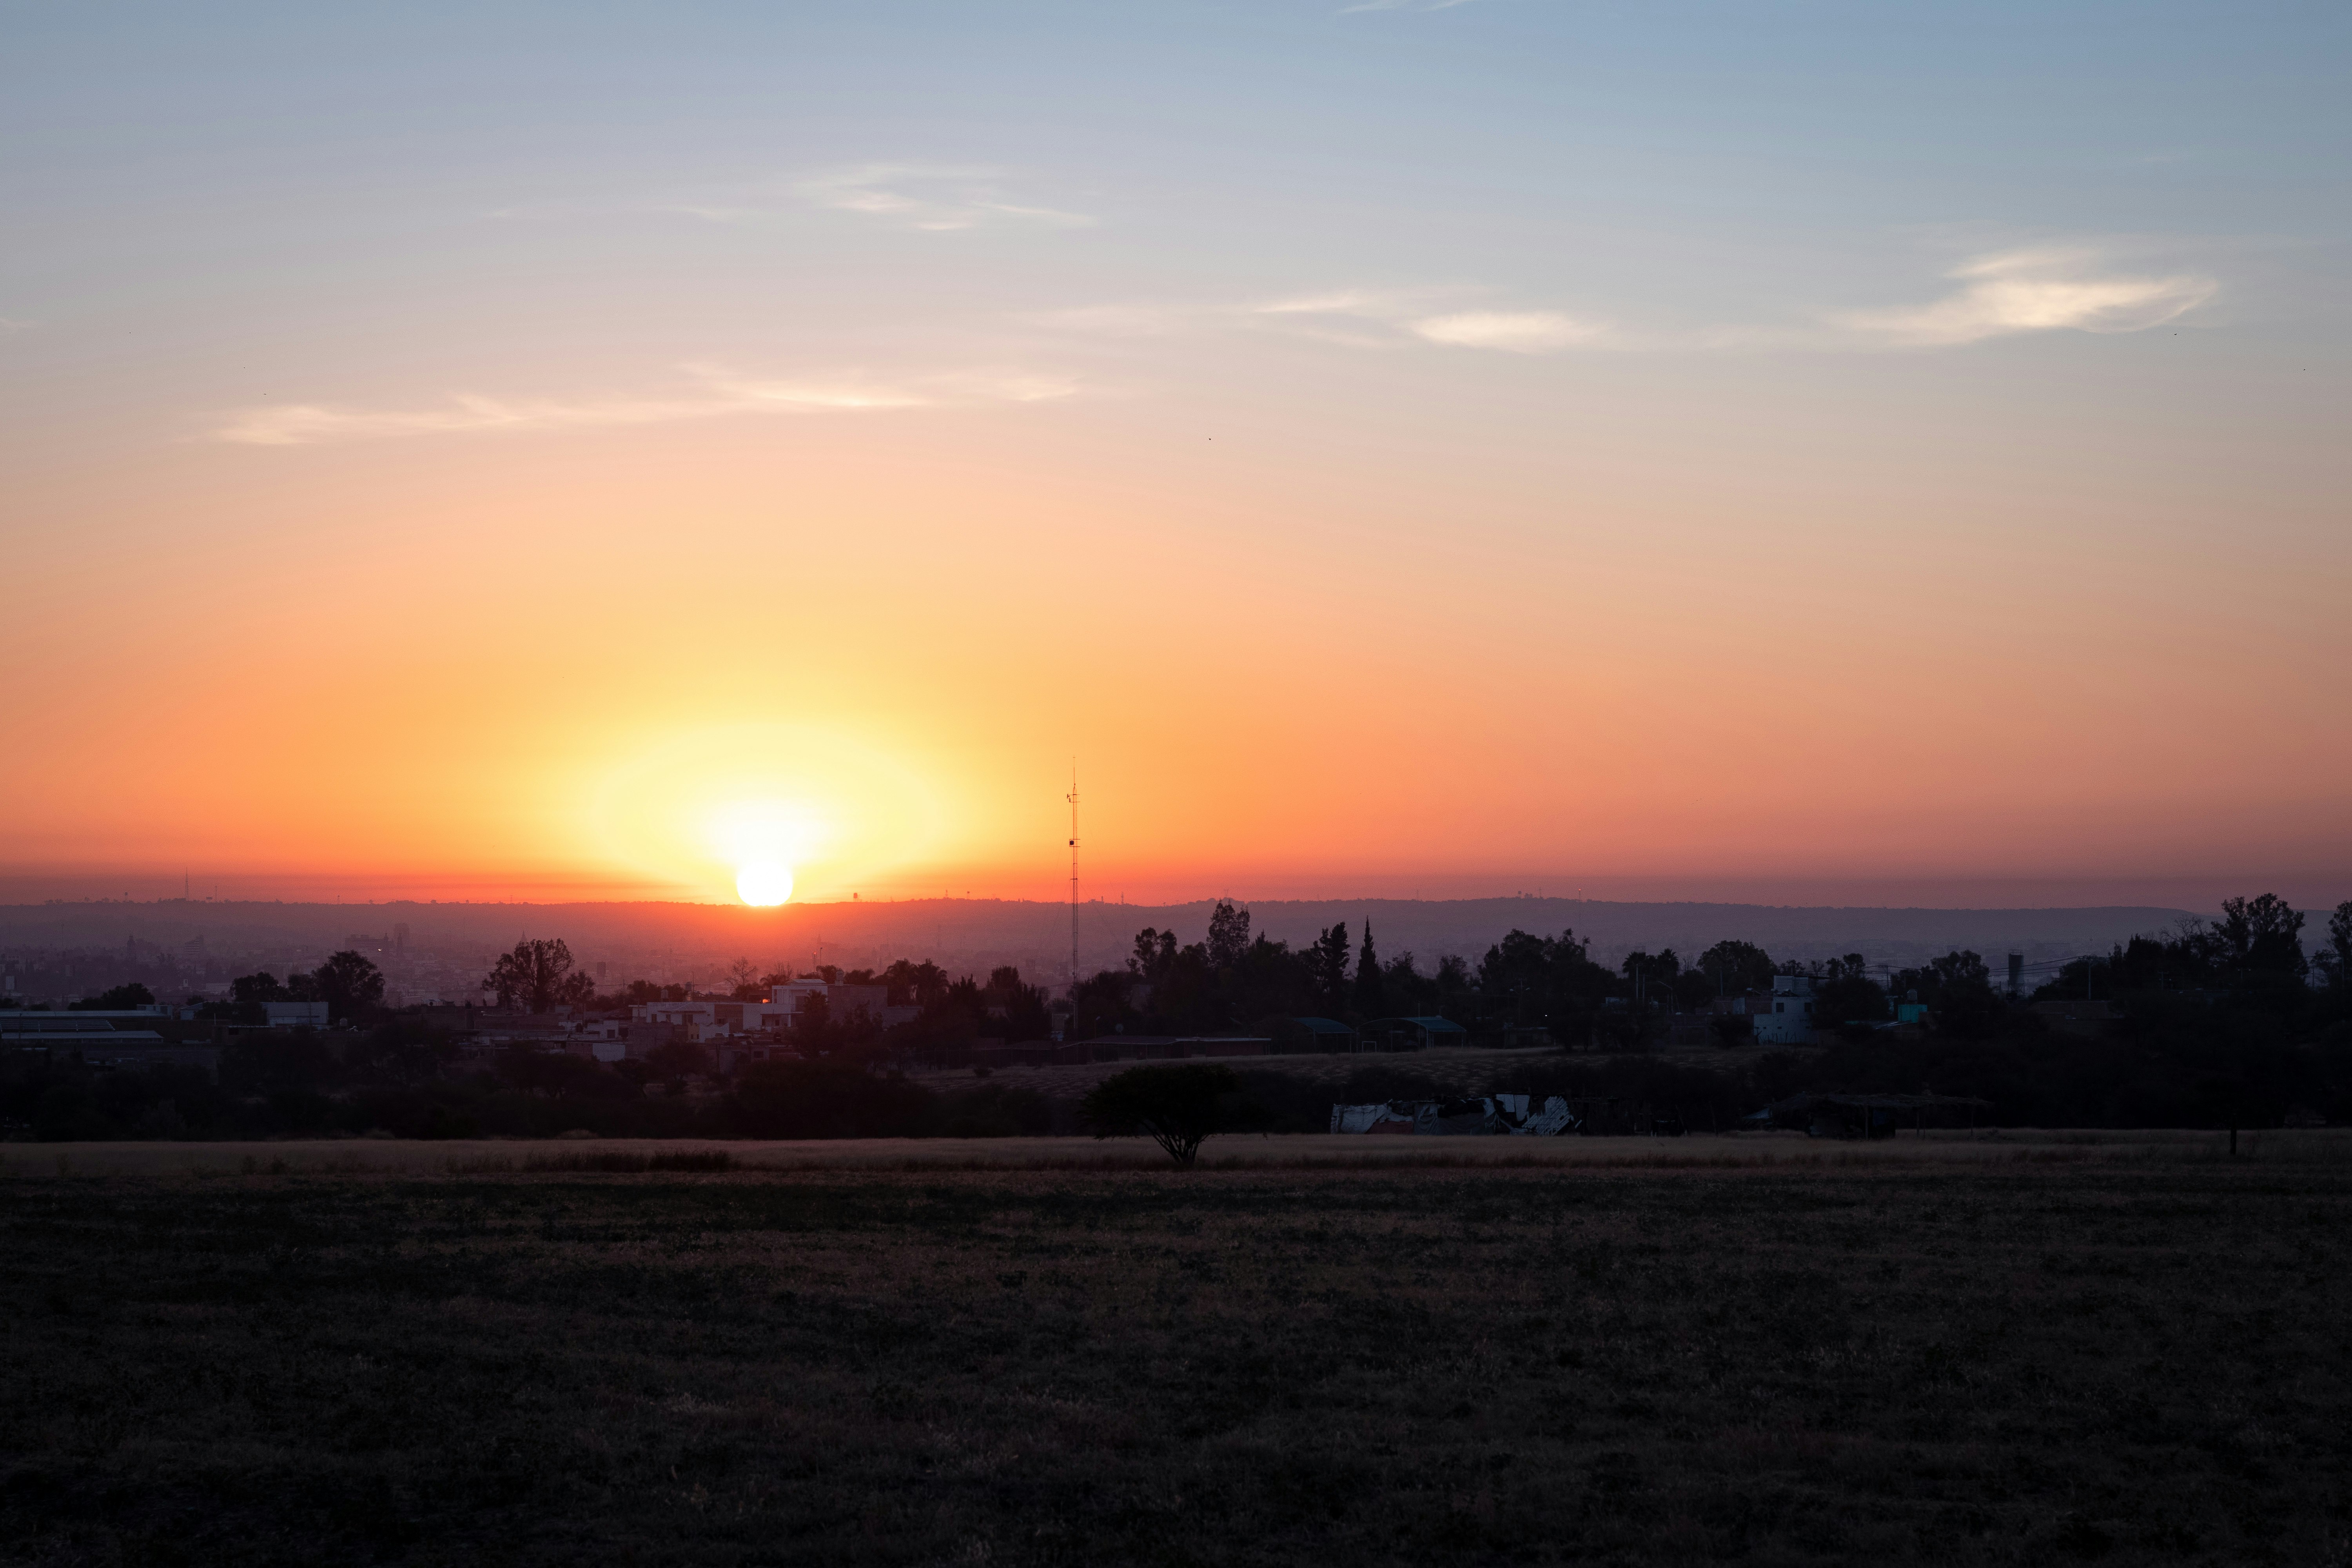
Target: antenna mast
<point x="1074" y="877"/>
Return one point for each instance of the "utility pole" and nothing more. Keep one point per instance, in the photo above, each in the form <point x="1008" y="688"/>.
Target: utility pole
<point x="1074" y="879"/>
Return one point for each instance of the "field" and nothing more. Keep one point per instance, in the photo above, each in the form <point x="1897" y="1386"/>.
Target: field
<point x="1310" y="1350"/>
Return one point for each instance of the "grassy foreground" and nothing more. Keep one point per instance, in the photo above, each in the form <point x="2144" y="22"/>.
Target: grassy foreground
<point x="1987" y="1361"/>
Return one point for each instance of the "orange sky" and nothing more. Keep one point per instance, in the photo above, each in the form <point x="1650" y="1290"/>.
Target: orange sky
<point x="502" y="548"/>
<point x="538" y="662"/>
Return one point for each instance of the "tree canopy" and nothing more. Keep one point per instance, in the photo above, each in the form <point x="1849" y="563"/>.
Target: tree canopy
<point x="1179" y="1107"/>
<point x="538" y="976"/>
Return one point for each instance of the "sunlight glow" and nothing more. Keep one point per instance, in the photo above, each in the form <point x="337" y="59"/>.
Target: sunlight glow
<point x="700" y="808"/>
<point x="764" y="884"/>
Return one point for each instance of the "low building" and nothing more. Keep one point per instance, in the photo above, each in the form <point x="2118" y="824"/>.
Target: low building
<point x="791" y="993"/>
<point x="1791" y="1020"/>
<point x="295" y="1015"/>
<point x="77" y="1030"/>
<point x="677" y="1015"/>
<point x="104" y="1041"/>
<point x="750" y="1017"/>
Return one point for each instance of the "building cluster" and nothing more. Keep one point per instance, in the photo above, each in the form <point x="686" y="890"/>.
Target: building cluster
<point x="739" y="1033"/>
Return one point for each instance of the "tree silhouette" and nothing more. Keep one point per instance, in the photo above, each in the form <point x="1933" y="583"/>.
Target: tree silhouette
<point x="1228" y="934"/>
<point x="538" y="975"/>
<point x="350" y="985"/>
<point x="1327" y="960"/>
<point x="1733" y="967"/>
<point x="1155" y="952"/>
<point x="2337" y="959"/>
<point x="2264" y="934"/>
<point x="1178" y="1108"/>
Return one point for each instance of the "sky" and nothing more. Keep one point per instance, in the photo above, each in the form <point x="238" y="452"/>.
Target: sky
<point x="1802" y="452"/>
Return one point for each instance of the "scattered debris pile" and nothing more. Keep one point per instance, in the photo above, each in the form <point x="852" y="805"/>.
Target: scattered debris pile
<point x="1481" y="1116"/>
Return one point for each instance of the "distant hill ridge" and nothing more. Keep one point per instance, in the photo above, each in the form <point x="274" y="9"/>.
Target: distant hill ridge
<point x="965" y="930"/>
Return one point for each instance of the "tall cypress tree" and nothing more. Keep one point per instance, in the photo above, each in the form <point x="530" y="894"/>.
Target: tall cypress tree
<point x="1328" y="959"/>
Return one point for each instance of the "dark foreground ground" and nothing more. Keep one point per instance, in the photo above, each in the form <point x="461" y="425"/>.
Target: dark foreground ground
<point x="2031" y="1360"/>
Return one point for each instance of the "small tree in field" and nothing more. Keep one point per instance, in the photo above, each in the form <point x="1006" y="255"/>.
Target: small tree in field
<point x="1178" y="1108"/>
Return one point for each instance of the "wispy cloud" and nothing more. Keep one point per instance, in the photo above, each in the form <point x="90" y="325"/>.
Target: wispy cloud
<point x="1372" y="304"/>
<point x="1514" y="331"/>
<point x="2034" y="291"/>
<point x="936" y="197"/>
<point x="1416" y="314"/>
<point x="933" y="198"/>
<point x="717" y="392"/>
<point x="2003" y="293"/>
<point x="1353" y="317"/>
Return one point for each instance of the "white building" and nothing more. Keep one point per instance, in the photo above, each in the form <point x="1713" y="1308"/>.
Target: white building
<point x="1791" y="1020"/>
<point x="788" y="996"/>
<point x="682" y="1014"/>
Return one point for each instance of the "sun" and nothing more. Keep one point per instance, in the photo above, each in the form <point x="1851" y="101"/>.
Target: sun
<point x="763" y="884"/>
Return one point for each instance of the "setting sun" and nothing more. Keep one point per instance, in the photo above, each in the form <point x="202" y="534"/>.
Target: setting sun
<point x="764" y="884"/>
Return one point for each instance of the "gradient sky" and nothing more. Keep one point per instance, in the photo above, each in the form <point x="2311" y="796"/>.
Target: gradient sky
<point x="1733" y="449"/>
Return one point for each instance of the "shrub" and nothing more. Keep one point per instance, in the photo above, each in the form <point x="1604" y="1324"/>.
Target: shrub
<point x="1178" y="1108"/>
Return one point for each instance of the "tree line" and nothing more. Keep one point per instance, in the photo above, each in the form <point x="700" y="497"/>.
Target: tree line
<point x="2219" y="1022"/>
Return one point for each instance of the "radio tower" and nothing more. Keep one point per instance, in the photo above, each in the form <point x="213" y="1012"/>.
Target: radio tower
<point x="1074" y="877"/>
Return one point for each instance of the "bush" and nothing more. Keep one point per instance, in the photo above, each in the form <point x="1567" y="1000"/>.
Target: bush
<point x="1178" y="1108"/>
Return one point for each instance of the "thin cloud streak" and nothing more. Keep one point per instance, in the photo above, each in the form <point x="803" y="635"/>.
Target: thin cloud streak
<point x="723" y="394"/>
<point x="1373" y="304"/>
<point x="1412" y="314"/>
<point x="2018" y="291"/>
<point x="1355" y="318"/>
<point x="1513" y="331"/>
<point x="2002" y="294"/>
<point x="935" y="199"/>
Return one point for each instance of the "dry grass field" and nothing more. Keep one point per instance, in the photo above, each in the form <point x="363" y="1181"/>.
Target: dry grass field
<point x="1990" y="1349"/>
